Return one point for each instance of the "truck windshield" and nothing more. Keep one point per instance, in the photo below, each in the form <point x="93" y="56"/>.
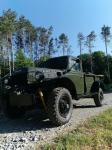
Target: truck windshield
<point x="55" y="63"/>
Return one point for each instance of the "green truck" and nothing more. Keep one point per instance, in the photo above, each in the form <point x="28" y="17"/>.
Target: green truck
<point x="51" y="87"/>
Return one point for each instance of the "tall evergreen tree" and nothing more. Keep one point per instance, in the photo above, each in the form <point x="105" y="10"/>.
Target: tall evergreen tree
<point x="106" y="34"/>
<point x="51" y="47"/>
<point x="7" y="28"/>
<point x="63" y="42"/>
<point x="44" y="36"/>
<point x="89" y="43"/>
<point x="80" y="37"/>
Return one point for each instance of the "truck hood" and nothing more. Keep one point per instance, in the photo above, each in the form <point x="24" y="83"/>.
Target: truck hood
<point x="22" y="76"/>
<point x="35" y="73"/>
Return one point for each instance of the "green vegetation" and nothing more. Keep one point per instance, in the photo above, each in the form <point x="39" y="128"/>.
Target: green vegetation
<point x="22" y="60"/>
<point x="94" y="134"/>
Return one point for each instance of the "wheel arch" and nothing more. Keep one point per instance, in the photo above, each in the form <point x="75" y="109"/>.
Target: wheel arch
<point x="68" y="84"/>
<point x="96" y="85"/>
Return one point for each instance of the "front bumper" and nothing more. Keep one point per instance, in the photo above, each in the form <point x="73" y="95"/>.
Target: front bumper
<point x="21" y="100"/>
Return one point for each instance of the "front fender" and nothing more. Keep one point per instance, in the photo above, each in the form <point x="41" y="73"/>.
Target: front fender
<point x="60" y="82"/>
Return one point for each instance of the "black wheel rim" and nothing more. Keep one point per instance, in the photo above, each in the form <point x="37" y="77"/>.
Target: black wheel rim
<point x="64" y="106"/>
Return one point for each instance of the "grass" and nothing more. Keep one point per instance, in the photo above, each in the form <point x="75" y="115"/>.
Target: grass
<point x="95" y="134"/>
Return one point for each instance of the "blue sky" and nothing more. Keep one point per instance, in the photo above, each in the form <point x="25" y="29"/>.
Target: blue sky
<point x="68" y="16"/>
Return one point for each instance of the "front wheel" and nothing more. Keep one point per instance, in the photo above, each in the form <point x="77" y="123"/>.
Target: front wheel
<point x="98" y="98"/>
<point x="59" y="106"/>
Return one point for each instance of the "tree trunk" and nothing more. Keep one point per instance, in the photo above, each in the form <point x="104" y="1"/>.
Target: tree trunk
<point x="36" y="50"/>
<point x="9" y="59"/>
<point x="91" y="60"/>
<point x="31" y="50"/>
<point x="81" y="57"/>
<point x="108" y="67"/>
<point x="63" y="50"/>
<point x="12" y="53"/>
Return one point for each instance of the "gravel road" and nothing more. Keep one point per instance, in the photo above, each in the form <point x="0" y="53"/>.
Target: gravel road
<point x="34" y="128"/>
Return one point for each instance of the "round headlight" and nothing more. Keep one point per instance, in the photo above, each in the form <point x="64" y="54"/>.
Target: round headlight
<point x="39" y="75"/>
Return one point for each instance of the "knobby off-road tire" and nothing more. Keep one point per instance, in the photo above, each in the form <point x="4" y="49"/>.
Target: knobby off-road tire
<point x="11" y="112"/>
<point x="98" y="98"/>
<point x="59" y="106"/>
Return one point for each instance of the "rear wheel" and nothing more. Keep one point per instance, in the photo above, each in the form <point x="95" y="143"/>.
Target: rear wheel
<point x="98" y="98"/>
<point x="60" y="106"/>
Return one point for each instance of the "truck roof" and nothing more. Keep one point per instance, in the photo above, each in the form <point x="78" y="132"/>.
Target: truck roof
<point x="66" y="56"/>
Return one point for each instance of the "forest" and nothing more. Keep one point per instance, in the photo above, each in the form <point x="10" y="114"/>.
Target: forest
<point x="23" y="44"/>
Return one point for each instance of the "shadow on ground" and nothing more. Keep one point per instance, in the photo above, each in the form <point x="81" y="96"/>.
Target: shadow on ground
<point x="83" y="106"/>
<point x="30" y="122"/>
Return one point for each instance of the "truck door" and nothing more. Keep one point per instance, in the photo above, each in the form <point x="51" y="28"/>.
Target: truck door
<point x="89" y="79"/>
<point x="77" y="77"/>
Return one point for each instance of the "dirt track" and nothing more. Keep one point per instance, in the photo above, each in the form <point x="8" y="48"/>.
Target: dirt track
<point x="34" y="128"/>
